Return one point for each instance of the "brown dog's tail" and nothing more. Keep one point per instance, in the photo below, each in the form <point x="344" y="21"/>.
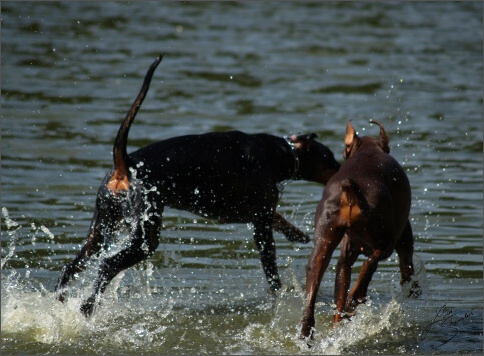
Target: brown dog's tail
<point x="350" y="209"/>
<point x="119" y="180"/>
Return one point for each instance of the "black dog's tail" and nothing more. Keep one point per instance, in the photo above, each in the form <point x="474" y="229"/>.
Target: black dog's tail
<point x="119" y="180"/>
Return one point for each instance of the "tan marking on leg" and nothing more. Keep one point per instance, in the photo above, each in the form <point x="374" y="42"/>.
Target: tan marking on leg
<point x="349" y="210"/>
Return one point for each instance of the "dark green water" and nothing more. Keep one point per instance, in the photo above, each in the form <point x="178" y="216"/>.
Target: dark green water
<point x="69" y="72"/>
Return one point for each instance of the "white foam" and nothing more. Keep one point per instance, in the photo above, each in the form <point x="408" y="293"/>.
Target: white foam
<point x="37" y="314"/>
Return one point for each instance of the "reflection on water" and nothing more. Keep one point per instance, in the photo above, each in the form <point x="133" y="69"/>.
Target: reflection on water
<point x="69" y="72"/>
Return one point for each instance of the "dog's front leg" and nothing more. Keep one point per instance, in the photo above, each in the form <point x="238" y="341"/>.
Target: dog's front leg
<point x="264" y="240"/>
<point x="291" y="232"/>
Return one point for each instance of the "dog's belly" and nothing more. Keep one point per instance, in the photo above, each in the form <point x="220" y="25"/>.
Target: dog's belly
<point x="366" y="244"/>
<point x="216" y="210"/>
<point x="227" y="205"/>
<point x="359" y="242"/>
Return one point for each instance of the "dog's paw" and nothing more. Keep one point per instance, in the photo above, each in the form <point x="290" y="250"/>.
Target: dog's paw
<point x="415" y="290"/>
<point x="349" y="314"/>
<point x="88" y="307"/>
<point x="61" y="297"/>
<point x="306" y="332"/>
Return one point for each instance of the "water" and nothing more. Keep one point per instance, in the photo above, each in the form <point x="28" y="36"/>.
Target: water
<point x="71" y="70"/>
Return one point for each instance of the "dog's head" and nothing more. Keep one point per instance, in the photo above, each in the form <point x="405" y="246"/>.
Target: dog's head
<point x="353" y="142"/>
<point x="316" y="161"/>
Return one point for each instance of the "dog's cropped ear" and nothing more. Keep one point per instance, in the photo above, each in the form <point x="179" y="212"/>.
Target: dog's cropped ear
<point x="383" y="138"/>
<point x="302" y="141"/>
<point x="352" y="141"/>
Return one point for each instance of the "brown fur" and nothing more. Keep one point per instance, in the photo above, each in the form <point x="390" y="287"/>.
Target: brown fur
<point x="364" y="208"/>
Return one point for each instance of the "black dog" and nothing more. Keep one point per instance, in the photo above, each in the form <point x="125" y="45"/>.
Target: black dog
<point x="231" y="177"/>
<point x="365" y="207"/>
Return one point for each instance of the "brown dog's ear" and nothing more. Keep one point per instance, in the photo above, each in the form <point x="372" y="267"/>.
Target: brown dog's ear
<point x="351" y="141"/>
<point x="383" y="138"/>
<point x="350" y="134"/>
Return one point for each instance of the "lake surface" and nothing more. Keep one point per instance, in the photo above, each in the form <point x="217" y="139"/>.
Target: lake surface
<point x="69" y="72"/>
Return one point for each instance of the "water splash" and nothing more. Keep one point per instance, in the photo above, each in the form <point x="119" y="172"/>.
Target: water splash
<point x="12" y="227"/>
<point x="387" y="326"/>
<point x="139" y="310"/>
<point x="34" y="315"/>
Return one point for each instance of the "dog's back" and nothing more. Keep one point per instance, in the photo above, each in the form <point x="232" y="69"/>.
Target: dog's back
<point x="378" y="186"/>
<point x="370" y="179"/>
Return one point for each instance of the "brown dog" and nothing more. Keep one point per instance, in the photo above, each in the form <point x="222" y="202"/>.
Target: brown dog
<point x="365" y="207"/>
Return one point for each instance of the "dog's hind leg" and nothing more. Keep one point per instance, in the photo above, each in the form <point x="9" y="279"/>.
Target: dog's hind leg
<point x="291" y="232"/>
<point x="105" y="220"/>
<point x="404" y="250"/>
<point x="92" y="246"/>
<point x="144" y="241"/>
<point x="348" y="257"/>
<point x="360" y="289"/>
<point x="327" y="236"/>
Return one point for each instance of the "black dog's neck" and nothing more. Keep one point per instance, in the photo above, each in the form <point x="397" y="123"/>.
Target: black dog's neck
<point x="295" y="168"/>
